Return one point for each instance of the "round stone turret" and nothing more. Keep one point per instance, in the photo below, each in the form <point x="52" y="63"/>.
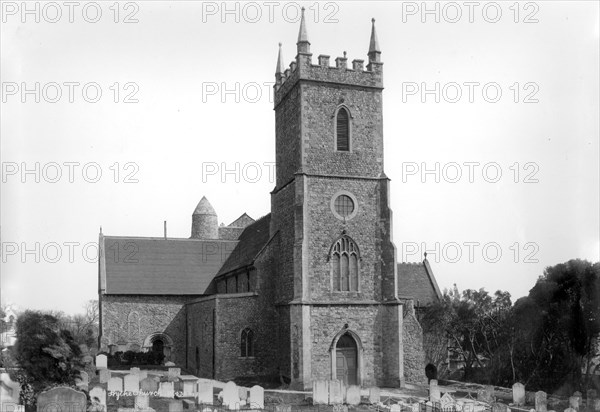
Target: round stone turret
<point x="204" y="221"/>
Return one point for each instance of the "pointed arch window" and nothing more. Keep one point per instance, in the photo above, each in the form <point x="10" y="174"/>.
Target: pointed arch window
<point x="342" y="130"/>
<point x="247" y="343"/>
<point x="344" y="260"/>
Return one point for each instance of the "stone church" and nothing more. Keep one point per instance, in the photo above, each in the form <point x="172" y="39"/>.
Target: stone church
<point x="309" y="291"/>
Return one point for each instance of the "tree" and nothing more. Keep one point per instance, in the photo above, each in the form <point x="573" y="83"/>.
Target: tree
<point x="46" y="353"/>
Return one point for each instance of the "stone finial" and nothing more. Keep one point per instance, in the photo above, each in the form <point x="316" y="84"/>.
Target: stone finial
<point x="374" y="50"/>
<point x="279" y="69"/>
<point x="303" y="43"/>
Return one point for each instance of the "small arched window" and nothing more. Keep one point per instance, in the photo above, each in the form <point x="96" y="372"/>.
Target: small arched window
<point x="344" y="265"/>
<point x="247" y="343"/>
<point x="342" y="130"/>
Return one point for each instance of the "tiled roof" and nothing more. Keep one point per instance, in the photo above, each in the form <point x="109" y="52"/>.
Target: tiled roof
<point x="416" y="281"/>
<point x="242" y="221"/>
<point x="251" y="242"/>
<point x="148" y="266"/>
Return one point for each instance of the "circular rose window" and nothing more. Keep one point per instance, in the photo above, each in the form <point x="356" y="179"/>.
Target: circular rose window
<point x="343" y="205"/>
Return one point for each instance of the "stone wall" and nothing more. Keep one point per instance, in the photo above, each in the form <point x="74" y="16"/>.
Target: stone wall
<point x="133" y="318"/>
<point x="365" y="321"/>
<point x="200" y="321"/>
<point x="414" y="355"/>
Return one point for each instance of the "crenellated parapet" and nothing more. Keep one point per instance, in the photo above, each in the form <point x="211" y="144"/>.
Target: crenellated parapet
<point x="303" y="69"/>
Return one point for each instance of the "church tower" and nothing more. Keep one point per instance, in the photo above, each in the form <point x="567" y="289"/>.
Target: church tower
<point x="337" y="285"/>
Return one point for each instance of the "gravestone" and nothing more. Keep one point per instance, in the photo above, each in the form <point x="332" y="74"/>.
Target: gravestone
<point x="447" y="401"/>
<point x="9" y="392"/>
<point x="169" y="363"/>
<point x="395" y="408"/>
<point x="230" y="395"/>
<point x="205" y="392"/>
<point x="175" y="406"/>
<point x="174" y="372"/>
<point x="574" y="402"/>
<point x="189" y="383"/>
<point x="486" y="394"/>
<point x="257" y="397"/>
<point x="143" y="374"/>
<point x="596" y="405"/>
<point x="242" y="393"/>
<point x="540" y="401"/>
<point x="320" y="392"/>
<point x="101" y="361"/>
<point x="189" y="404"/>
<point x="82" y="381"/>
<point x="149" y="385"/>
<point x="353" y="395"/>
<point x="142" y="401"/>
<point x="336" y="394"/>
<point x="434" y="393"/>
<point x="433" y="382"/>
<point x="579" y="397"/>
<point x="66" y="399"/>
<point x="134" y="371"/>
<point x="131" y="383"/>
<point x="104" y="375"/>
<point x="115" y="384"/>
<point x="98" y="393"/>
<point x="518" y="390"/>
<point x="374" y="395"/>
<point x="166" y="390"/>
<point x="499" y="407"/>
<point x="87" y="359"/>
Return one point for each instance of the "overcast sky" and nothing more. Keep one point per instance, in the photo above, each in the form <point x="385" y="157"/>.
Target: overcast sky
<point x="513" y="140"/>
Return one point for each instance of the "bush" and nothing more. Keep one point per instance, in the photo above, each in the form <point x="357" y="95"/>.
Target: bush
<point x="131" y="358"/>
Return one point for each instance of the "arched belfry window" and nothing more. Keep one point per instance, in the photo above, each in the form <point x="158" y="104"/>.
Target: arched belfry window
<point x="247" y="343"/>
<point x="344" y="259"/>
<point x="342" y="130"/>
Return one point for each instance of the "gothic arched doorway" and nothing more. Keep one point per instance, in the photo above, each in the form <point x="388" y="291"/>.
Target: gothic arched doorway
<point x="347" y="360"/>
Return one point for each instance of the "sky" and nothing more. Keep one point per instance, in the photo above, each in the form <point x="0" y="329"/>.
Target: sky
<point x="491" y="129"/>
